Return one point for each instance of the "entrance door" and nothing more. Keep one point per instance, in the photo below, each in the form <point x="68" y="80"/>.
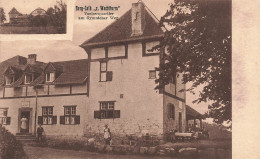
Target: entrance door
<point x="180" y="122"/>
<point x="25" y="120"/>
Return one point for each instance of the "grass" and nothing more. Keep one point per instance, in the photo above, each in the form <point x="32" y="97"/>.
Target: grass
<point x="28" y="30"/>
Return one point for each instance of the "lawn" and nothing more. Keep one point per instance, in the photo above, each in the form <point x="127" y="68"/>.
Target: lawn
<point x="28" y="30"/>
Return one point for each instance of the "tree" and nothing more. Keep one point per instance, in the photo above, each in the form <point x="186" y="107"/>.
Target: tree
<point x="58" y="16"/>
<point x="2" y="15"/>
<point x="198" y="45"/>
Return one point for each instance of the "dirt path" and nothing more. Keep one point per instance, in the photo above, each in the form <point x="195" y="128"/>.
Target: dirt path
<point x="49" y="153"/>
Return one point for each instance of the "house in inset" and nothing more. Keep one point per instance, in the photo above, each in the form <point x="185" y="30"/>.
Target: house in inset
<point x="24" y="19"/>
<point x="38" y="11"/>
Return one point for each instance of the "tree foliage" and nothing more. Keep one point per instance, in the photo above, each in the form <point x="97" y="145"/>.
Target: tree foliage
<point x="58" y="16"/>
<point x="198" y="42"/>
<point x="2" y="15"/>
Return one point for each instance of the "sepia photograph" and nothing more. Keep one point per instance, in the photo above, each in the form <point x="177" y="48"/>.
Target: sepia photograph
<point x="139" y="79"/>
<point x="28" y="17"/>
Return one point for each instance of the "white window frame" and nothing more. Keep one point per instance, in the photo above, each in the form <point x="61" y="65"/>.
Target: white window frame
<point x="47" y="115"/>
<point x="3" y="116"/>
<point x="10" y="80"/>
<point x="52" y="77"/>
<point x="25" y="79"/>
<point x="103" y="71"/>
<point x="70" y="115"/>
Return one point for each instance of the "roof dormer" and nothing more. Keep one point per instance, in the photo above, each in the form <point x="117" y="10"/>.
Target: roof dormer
<point x="10" y="75"/>
<point x="51" y="72"/>
<point x="31" y="72"/>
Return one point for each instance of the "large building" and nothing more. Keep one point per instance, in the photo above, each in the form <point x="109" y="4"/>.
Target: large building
<point x="122" y="75"/>
<point x="114" y="86"/>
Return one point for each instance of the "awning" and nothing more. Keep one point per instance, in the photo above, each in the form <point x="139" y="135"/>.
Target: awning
<point x="192" y="114"/>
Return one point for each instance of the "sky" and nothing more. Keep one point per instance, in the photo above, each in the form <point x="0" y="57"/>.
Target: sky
<point x="62" y="50"/>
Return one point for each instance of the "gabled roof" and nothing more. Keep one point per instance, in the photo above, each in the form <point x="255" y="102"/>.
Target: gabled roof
<point x="69" y="72"/>
<point x="14" y="11"/>
<point x="122" y="29"/>
<point x="11" y="70"/>
<point x="34" y="68"/>
<point x="74" y="72"/>
<point x="192" y="113"/>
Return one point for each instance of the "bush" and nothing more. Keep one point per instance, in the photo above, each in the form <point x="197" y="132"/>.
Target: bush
<point x="9" y="146"/>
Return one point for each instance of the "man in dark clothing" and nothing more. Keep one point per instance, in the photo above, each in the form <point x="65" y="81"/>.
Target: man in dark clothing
<point x="40" y="132"/>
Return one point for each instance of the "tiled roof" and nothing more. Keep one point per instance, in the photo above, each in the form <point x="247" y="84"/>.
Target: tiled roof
<point x="73" y="72"/>
<point x="69" y="72"/>
<point x="192" y="113"/>
<point x="122" y="28"/>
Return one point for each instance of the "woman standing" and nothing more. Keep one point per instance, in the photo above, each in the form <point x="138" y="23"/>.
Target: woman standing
<point x="107" y="135"/>
<point x="24" y="124"/>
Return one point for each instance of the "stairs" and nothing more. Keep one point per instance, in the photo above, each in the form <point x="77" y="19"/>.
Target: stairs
<point x="26" y="138"/>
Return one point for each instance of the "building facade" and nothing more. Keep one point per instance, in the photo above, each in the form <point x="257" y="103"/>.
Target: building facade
<point x="51" y="94"/>
<point x="114" y="86"/>
<point x="122" y="73"/>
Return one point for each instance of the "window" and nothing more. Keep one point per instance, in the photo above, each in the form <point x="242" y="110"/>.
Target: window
<point x="70" y="117"/>
<point x="49" y="77"/>
<point x="107" y="111"/>
<point x="4" y="120"/>
<point x="152" y="74"/>
<point x="104" y="74"/>
<point x="47" y="115"/>
<point x="103" y="71"/>
<point x="9" y="80"/>
<point x="171" y="111"/>
<point x="28" y="78"/>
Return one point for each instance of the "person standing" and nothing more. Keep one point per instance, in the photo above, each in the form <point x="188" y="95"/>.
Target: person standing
<point x="40" y="132"/>
<point x="24" y="124"/>
<point x="107" y="135"/>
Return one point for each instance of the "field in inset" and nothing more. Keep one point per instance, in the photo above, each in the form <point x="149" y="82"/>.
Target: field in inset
<point x="30" y="30"/>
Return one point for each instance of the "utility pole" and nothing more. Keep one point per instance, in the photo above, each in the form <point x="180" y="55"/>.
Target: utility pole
<point x="36" y="107"/>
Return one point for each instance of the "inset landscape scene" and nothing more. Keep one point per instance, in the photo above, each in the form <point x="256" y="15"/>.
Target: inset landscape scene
<point x="51" y="20"/>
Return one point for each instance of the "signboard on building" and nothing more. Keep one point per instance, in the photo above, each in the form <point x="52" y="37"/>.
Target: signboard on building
<point x="25" y="103"/>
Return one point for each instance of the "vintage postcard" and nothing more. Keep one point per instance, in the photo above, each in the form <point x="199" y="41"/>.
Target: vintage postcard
<point x="123" y="79"/>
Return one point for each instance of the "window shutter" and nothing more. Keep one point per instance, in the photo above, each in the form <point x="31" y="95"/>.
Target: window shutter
<point x="109" y="75"/>
<point x="54" y="119"/>
<point x="77" y="119"/>
<point x="40" y="120"/>
<point x="97" y="114"/>
<point x="62" y="119"/>
<point x="8" y="120"/>
<point x="173" y="112"/>
<point x="116" y="114"/>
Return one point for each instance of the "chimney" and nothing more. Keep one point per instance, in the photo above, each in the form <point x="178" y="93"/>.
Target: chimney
<point x="138" y="19"/>
<point x="31" y="59"/>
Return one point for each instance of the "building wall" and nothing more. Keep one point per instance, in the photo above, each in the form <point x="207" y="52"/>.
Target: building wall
<point x="58" y="102"/>
<point x="141" y="106"/>
<point x="170" y="124"/>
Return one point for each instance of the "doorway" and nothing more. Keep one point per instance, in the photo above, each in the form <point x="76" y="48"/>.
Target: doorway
<point x="25" y="120"/>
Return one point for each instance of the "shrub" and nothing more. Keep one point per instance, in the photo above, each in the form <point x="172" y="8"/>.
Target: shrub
<point x="9" y="146"/>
